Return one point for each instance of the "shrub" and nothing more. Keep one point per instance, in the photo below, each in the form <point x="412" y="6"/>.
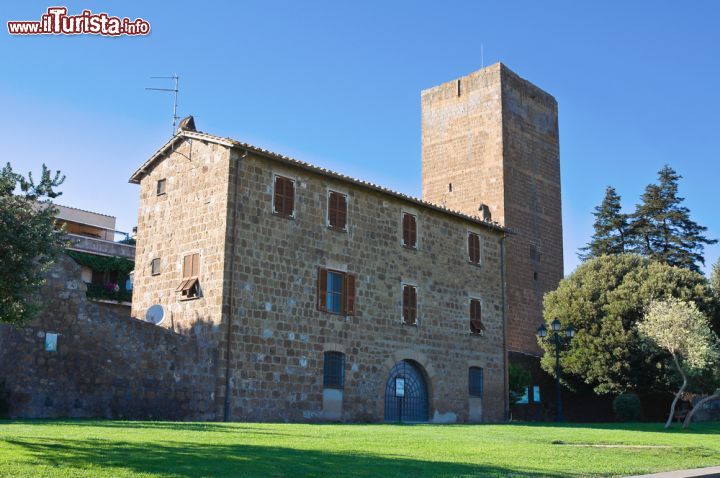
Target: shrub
<point x="627" y="407"/>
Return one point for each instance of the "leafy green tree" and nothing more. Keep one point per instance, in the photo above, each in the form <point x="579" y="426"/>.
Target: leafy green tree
<point x="518" y="380"/>
<point x="611" y="227"/>
<point x="682" y="330"/>
<point x="29" y="240"/>
<point x="715" y="277"/>
<point x="603" y="300"/>
<point x="662" y="227"/>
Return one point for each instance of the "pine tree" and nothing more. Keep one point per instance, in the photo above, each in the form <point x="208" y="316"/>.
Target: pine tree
<point x="611" y="228"/>
<point x="662" y="227"/>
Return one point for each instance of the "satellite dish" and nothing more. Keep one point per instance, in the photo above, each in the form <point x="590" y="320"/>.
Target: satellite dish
<point x="155" y="314"/>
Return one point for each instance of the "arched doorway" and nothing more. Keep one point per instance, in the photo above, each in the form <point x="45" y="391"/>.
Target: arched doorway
<point x="412" y="406"/>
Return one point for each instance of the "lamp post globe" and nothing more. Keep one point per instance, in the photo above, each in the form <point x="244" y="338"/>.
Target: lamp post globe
<point x="570" y="331"/>
<point x="542" y="331"/>
<point x="555" y="325"/>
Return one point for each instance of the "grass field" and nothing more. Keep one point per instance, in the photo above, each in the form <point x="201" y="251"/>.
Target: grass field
<point x="150" y="449"/>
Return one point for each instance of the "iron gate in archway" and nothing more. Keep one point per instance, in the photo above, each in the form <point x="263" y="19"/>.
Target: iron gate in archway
<point x="413" y="406"/>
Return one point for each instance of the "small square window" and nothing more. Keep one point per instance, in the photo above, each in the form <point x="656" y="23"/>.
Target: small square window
<point x="161" y="187"/>
<point x="475" y="382"/>
<point x="155" y="266"/>
<point x="334" y="370"/>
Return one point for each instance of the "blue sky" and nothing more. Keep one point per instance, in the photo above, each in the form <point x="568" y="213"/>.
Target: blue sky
<point x="338" y="84"/>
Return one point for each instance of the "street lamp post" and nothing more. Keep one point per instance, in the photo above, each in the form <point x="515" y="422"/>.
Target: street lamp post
<point x="558" y="341"/>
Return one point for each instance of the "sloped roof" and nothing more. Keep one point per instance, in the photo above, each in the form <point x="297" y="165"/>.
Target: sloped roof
<point x="231" y="143"/>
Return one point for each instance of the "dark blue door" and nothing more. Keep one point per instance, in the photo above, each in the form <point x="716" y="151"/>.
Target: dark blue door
<point x="413" y="406"/>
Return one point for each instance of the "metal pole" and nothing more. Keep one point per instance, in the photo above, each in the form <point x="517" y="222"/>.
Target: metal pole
<point x="558" y="400"/>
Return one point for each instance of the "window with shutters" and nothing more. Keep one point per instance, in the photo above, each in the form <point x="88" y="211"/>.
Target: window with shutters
<point x="409" y="227"/>
<point x="409" y="304"/>
<point x="474" y="248"/>
<point x="160" y="188"/>
<point x="336" y="292"/>
<point x="475" y="382"/>
<point x="189" y="288"/>
<point x="155" y="266"/>
<point x="476" y="325"/>
<point x="284" y="197"/>
<point x="334" y="370"/>
<point x="337" y="211"/>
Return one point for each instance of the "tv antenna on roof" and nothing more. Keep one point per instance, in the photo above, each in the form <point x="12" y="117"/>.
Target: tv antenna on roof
<point x="175" y="90"/>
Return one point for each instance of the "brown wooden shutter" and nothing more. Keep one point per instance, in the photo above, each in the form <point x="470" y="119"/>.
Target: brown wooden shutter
<point x="409" y="230"/>
<point x="187" y="266"/>
<point x="474" y="247"/>
<point x="409" y="304"/>
<point x="476" y="325"/>
<point x="195" y="265"/>
<point x="349" y="293"/>
<point x="322" y="289"/>
<point x="278" y="195"/>
<point x="413" y="305"/>
<point x="413" y="231"/>
<point x="332" y="209"/>
<point x="406" y="229"/>
<point x="342" y="211"/>
<point x="289" y="197"/>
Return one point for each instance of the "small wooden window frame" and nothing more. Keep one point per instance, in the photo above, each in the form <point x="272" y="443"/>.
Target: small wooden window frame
<point x="161" y="187"/>
<point x="282" y="204"/>
<point x="475" y="311"/>
<point x="409" y="304"/>
<point x="348" y="292"/>
<point x="409" y="225"/>
<point x="336" y="215"/>
<point x="474" y="248"/>
<point x="189" y="288"/>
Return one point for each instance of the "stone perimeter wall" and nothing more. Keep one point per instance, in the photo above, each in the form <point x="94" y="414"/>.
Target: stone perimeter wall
<point x="107" y="364"/>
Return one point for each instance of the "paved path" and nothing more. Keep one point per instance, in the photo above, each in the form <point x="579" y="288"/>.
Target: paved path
<point x="713" y="471"/>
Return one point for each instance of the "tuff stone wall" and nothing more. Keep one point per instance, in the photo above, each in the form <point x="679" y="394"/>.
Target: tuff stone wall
<point x="264" y="289"/>
<point x="107" y="364"/>
<point x="189" y="218"/>
<point x="494" y="136"/>
<point x="279" y="336"/>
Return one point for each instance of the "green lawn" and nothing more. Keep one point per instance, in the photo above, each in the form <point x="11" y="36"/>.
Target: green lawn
<point x="142" y="449"/>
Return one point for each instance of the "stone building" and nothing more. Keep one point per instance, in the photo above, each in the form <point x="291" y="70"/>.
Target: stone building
<point x="490" y="144"/>
<point x="333" y="298"/>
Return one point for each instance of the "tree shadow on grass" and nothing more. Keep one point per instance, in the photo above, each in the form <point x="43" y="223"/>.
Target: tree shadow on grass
<point x="699" y="428"/>
<point x="148" y="425"/>
<point x="185" y="460"/>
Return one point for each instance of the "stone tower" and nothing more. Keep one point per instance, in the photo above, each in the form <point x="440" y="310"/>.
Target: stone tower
<point x="490" y="146"/>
